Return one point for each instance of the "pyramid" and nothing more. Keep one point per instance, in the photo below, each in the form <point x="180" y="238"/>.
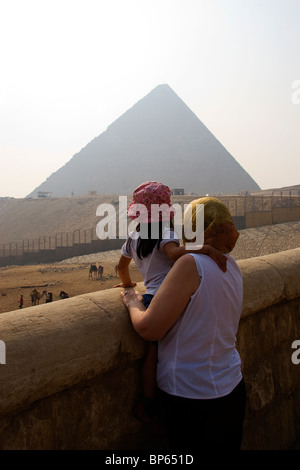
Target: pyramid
<point x="160" y="139"/>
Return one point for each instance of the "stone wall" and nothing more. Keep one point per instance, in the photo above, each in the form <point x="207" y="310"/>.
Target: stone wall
<point x="285" y="214"/>
<point x="258" y="219"/>
<point x="72" y="367"/>
<point x="276" y="215"/>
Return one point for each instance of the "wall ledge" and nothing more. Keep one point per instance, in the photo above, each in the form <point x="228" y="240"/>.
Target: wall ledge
<point x="54" y="346"/>
<point x="270" y="279"/>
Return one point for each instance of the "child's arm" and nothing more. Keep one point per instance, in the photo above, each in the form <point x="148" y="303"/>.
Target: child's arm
<point x="123" y="270"/>
<point x="173" y="251"/>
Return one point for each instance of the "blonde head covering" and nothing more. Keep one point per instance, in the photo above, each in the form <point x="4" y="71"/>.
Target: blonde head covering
<point x="215" y="213"/>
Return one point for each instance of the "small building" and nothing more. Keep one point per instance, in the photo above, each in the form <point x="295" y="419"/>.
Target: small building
<point x="177" y="192"/>
<point x="44" y="194"/>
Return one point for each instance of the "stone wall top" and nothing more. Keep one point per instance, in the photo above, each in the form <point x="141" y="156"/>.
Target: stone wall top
<point x="270" y="279"/>
<point x="54" y="346"/>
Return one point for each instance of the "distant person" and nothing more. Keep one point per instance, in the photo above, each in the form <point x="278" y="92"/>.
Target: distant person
<point x="49" y="297"/>
<point x="154" y="258"/>
<point x="116" y="270"/>
<point x="21" y="302"/>
<point x="195" y="316"/>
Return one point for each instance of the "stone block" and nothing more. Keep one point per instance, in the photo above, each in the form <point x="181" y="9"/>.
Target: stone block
<point x="262" y="284"/>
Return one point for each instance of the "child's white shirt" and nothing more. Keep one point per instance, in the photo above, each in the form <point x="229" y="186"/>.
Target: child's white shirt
<point x="156" y="265"/>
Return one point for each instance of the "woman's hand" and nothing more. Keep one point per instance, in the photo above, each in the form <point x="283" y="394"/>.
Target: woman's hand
<point x="130" y="297"/>
<point x="217" y="257"/>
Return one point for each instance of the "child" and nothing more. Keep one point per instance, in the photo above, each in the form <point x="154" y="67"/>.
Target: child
<point x="154" y="258"/>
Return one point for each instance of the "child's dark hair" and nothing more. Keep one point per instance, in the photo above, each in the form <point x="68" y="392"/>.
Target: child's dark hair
<point x="145" y="246"/>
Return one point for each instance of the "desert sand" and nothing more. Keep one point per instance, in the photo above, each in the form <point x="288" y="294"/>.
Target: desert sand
<point x="71" y="276"/>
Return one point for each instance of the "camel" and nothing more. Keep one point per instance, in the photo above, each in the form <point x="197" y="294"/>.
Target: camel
<point x="100" y="271"/>
<point x="63" y="295"/>
<point x="36" y="296"/>
<point x="93" y="271"/>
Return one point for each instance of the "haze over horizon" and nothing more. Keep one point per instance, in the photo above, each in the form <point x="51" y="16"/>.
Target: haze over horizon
<point x="70" y="69"/>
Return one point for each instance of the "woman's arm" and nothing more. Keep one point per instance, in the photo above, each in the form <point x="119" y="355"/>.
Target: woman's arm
<point x="168" y="303"/>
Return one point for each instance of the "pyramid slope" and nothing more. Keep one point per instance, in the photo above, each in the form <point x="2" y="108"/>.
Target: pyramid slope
<point x="159" y="138"/>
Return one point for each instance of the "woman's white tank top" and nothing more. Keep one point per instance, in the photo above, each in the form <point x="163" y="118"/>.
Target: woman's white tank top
<point x="197" y="358"/>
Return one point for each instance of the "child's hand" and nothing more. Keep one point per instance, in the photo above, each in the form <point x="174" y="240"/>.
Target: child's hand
<point x="131" y="284"/>
<point x="218" y="257"/>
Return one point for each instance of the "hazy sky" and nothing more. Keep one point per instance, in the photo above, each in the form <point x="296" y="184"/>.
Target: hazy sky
<point x="69" y="68"/>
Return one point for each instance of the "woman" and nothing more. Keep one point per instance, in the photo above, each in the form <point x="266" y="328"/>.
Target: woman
<point x="195" y="315"/>
<point x="154" y="256"/>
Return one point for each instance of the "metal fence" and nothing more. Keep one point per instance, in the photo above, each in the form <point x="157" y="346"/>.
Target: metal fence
<point x="51" y="242"/>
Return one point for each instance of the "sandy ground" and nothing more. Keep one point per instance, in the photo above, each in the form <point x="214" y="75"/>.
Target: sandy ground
<point x="72" y="275"/>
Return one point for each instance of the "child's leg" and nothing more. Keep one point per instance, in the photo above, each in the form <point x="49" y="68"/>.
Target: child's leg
<point x="147" y="410"/>
<point x="149" y="374"/>
<point x="149" y="371"/>
<point x="150" y="362"/>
